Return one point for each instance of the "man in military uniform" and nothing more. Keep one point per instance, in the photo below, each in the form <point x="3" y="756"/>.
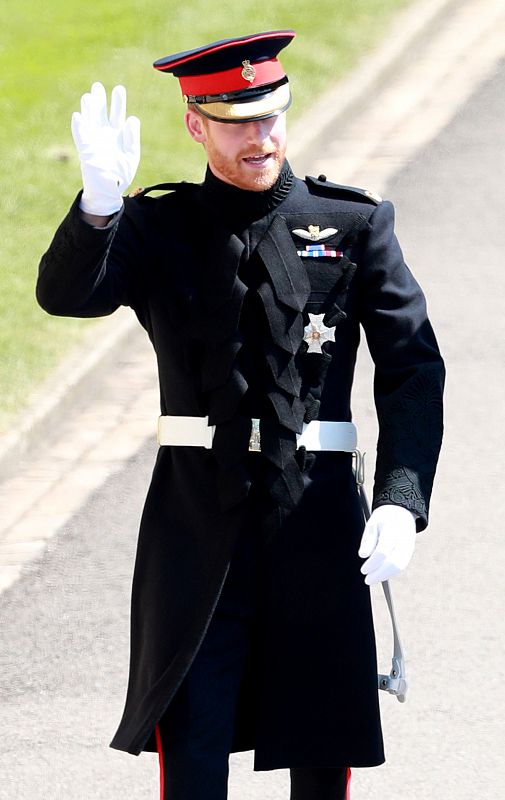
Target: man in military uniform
<point x="251" y="619"/>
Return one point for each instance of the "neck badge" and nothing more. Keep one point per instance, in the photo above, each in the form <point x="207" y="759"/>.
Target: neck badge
<point x="316" y="333"/>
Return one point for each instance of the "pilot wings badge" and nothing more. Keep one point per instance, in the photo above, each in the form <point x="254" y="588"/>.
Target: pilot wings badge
<point x="314" y="233"/>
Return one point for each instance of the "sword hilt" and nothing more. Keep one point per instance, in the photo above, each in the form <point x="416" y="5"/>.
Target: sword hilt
<point x="395" y="682"/>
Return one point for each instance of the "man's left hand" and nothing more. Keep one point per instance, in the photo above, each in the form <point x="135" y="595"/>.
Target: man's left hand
<point x="387" y="543"/>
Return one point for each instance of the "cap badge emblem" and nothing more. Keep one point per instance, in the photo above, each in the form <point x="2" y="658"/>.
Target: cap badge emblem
<point x="248" y="72"/>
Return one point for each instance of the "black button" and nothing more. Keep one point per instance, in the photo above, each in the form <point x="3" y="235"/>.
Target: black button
<point x="322" y="178"/>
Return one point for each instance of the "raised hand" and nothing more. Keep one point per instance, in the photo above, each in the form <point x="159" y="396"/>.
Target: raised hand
<point x="109" y="149"/>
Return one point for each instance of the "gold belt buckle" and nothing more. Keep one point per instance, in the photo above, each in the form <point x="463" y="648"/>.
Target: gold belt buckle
<point x="255" y="438"/>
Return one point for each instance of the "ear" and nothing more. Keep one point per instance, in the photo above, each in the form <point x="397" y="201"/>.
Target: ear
<point x="195" y="125"/>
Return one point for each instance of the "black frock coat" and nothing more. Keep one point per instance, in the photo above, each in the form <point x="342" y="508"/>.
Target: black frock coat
<point x="214" y="276"/>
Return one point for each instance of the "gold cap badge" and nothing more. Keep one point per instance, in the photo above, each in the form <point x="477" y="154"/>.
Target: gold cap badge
<point x="248" y="72"/>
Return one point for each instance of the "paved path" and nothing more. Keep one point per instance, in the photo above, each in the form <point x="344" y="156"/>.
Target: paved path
<point x="65" y="621"/>
<point x="447" y="740"/>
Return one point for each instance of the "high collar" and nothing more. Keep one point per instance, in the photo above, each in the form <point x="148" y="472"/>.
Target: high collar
<point x="241" y="205"/>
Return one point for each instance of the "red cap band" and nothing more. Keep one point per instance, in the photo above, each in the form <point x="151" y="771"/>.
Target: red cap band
<point x="232" y="80"/>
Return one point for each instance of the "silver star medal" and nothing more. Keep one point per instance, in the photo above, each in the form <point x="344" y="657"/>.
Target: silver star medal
<point x="315" y="333"/>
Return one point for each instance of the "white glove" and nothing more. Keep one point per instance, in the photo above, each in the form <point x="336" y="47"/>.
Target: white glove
<point x="108" y="147"/>
<point x="387" y="543"/>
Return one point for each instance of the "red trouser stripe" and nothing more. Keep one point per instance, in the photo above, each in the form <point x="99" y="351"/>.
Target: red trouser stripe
<point x="162" y="768"/>
<point x="348" y="785"/>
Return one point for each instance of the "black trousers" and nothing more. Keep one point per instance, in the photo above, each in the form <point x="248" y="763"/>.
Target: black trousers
<point x="194" y="737"/>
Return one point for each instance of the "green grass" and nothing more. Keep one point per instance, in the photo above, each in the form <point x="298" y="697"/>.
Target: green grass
<point x="51" y="52"/>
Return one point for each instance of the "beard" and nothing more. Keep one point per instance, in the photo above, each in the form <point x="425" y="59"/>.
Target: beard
<point x="255" y="170"/>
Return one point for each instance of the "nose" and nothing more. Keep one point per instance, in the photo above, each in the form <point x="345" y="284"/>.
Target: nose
<point x="258" y="130"/>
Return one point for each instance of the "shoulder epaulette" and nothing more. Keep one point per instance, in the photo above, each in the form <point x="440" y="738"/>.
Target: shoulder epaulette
<point x="161" y="187"/>
<point x="344" y="192"/>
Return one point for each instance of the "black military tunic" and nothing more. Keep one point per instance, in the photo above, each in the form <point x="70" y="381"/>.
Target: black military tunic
<point x="214" y="275"/>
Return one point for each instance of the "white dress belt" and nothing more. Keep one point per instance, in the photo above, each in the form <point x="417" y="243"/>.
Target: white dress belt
<point x="315" y="435"/>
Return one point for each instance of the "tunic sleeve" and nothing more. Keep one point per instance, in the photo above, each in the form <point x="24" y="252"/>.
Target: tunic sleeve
<point x="88" y="271"/>
<point x="409" y="372"/>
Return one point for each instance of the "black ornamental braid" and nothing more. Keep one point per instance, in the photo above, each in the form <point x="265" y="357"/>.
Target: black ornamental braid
<point x="216" y="322"/>
<point x="283" y="290"/>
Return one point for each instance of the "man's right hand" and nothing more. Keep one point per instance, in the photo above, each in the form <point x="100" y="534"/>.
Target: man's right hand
<point x="108" y="148"/>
